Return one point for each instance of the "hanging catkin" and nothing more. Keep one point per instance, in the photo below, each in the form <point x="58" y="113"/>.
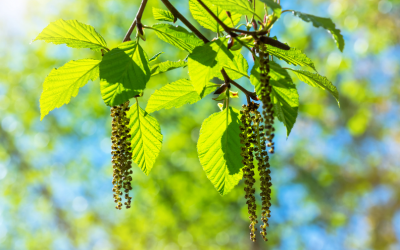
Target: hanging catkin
<point x="266" y="91"/>
<point x="246" y="137"/>
<point x="121" y="155"/>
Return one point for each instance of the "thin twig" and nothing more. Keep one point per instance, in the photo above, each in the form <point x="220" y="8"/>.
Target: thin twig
<point x="227" y="29"/>
<point x="135" y="22"/>
<point x="226" y="78"/>
<point x="283" y="11"/>
<point x="219" y="21"/>
<point x="178" y="15"/>
<point x="251" y="95"/>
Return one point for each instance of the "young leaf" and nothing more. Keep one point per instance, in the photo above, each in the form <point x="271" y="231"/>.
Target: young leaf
<point x="206" y="61"/>
<point x="163" y="15"/>
<point x="223" y="95"/>
<point x="124" y="72"/>
<point x="63" y="83"/>
<point x="72" y="33"/>
<point x="155" y="57"/>
<point x="238" y="6"/>
<point x="177" y="36"/>
<point x="166" y="66"/>
<point x="293" y="56"/>
<point x="175" y="95"/>
<point x="284" y="93"/>
<point x="236" y="68"/>
<point x="146" y="138"/>
<point x="276" y="7"/>
<point x="316" y="80"/>
<point x="325" y="23"/>
<point x="219" y="149"/>
<point x="207" y="21"/>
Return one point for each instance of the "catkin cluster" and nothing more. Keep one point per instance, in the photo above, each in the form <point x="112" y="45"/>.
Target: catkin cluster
<point x="121" y="155"/>
<point x="253" y="139"/>
<point x="266" y="90"/>
<point x="246" y="138"/>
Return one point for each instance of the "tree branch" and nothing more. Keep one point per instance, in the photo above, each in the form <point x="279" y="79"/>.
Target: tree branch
<point x="136" y="22"/>
<point x="227" y="29"/>
<point x="248" y="94"/>
<point x="255" y="34"/>
<point x="287" y="11"/>
<point x="178" y="15"/>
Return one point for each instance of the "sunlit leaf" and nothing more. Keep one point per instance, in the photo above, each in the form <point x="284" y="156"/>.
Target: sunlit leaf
<point x="325" y="23"/>
<point x="239" y="6"/>
<point x="155" y="57"/>
<point x="72" y="33"/>
<point x="146" y="138"/>
<point x="124" y="72"/>
<point x="293" y="56"/>
<point x="274" y="6"/>
<point x="206" y="61"/>
<point x="163" y="15"/>
<point x="166" y="66"/>
<point x="175" y="95"/>
<point x="207" y="21"/>
<point x="63" y="83"/>
<point x="177" y="36"/>
<point x="316" y="80"/>
<point x="237" y="68"/>
<point x="219" y="149"/>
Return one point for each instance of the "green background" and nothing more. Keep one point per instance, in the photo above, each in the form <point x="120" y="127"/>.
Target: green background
<point x="336" y="179"/>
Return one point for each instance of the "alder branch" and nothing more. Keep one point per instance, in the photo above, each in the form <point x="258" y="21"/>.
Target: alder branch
<point x="227" y="29"/>
<point x="178" y="15"/>
<point x="227" y="79"/>
<point x="255" y="34"/>
<point x="137" y="22"/>
<point x="252" y="95"/>
<point x="287" y="11"/>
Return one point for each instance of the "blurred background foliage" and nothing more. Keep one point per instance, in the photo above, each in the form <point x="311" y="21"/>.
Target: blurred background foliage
<point x="336" y="178"/>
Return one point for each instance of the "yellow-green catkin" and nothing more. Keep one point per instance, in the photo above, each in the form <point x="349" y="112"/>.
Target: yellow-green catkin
<point x="246" y="138"/>
<point x="266" y="90"/>
<point x="266" y="133"/>
<point x="121" y="155"/>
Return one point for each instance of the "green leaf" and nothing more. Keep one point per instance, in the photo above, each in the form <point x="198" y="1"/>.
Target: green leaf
<point x="146" y="138"/>
<point x="236" y="68"/>
<point x="177" y="36"/>
<point x="316" y="80"/>
<point x="223" y="95"/>
<point x="163" y="15"/>
<point x="155" y="57"/>
<point x="207" y="21"/>
<point x="325" y="23"/>
<point x="238" y="6"/>
<point x="293" y="56"/>
<point x="166" y="66"/>
<point x="175" y="95"/>
<point x="219" y="149"/>
<point x="284" y="93"/>
<point x="72" y="33"/>
<point x="206" y="61"/>
<point x="274" y="6"/>
<point x="63" y="83"/>
<point x="124" y="72"/>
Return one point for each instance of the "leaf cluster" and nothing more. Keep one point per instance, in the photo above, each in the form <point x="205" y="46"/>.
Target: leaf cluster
<point x="125" y="70"/>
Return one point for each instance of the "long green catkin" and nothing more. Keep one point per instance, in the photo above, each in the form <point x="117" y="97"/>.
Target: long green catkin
<point x="121" y="155"/>
<point x="246" y="138"/>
